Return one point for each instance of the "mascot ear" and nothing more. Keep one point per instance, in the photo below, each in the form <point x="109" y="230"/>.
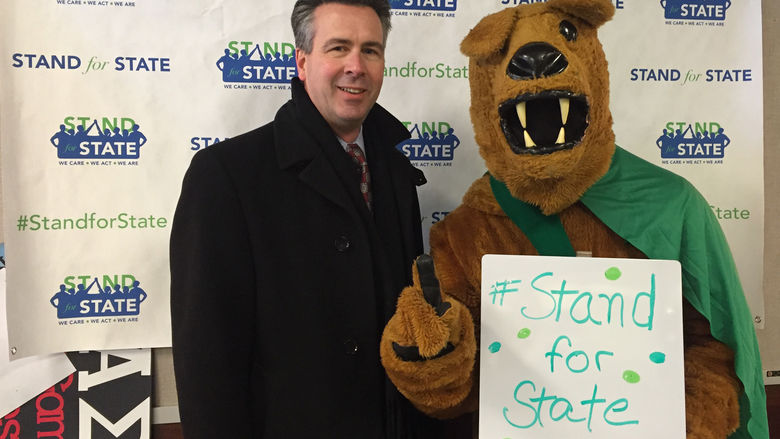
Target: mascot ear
<point x="489" y="35"/>
<point x="595" y="12"/>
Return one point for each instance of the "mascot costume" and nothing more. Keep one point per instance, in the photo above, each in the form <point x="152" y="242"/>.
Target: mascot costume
<point x="558" y="185"/>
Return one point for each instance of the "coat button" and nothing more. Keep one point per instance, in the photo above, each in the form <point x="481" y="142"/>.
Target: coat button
<point x="350" y="347"/>
<point x="342" y="243"/>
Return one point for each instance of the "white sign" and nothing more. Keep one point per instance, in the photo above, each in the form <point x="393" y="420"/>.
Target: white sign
<point x="581" y="347"/>
<point x="22" y="380"/>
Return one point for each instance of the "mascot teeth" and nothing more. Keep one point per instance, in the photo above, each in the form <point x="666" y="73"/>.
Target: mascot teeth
<point x="545" y="122"/>
<point x="564" y="104"/>
<point x="521" y="116"/>
<point x="529" y="142"/>
<point x="561" y="136"/>
<point x="520" y="108"/>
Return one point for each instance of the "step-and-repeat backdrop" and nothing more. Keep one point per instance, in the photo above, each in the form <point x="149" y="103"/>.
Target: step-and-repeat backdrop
<point x="105" y="102"/>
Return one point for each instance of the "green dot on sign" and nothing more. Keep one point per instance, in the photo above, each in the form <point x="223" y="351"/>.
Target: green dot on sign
<point x="524" y="333"/>
<point x="494" y="347"/>
<point x="630" y="376"/>
<point x="612" y="273"/>
<point x="658" y="357"/>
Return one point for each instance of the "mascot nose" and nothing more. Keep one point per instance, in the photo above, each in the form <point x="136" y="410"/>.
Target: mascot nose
<point x="536" y="60"/>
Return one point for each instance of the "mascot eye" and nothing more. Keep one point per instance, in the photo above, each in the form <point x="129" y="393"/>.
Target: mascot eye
<point x="568" y="30"/>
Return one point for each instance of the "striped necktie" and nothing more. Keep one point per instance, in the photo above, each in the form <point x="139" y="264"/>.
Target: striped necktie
<point x="365" y="180"/>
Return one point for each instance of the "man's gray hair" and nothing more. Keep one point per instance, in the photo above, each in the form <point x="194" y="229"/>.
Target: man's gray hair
<point x="302" y="18"/>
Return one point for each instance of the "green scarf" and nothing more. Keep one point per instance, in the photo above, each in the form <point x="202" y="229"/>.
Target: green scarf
<point x="665" y="217"/>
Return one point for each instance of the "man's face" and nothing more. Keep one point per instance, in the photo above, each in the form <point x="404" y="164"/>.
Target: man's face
<point x="343" y="73"/>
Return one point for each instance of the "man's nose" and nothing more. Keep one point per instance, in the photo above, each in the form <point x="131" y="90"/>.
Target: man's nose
<point x="354" y="63"/>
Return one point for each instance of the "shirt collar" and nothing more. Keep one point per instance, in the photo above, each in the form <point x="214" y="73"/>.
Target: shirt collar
<point x="358" y="140"/>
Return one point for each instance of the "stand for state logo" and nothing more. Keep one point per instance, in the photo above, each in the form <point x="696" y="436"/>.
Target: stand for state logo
<point x="432" y="145"/>
<point x="262" y="63"/>
<point x="706" y="10"/>
<point x="425" y="5"/>
<point x="694" y="142"/>
<point x="111" y="299"/>
<point x="101" y="138"/>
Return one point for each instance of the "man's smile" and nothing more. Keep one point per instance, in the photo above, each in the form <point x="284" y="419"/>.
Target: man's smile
<point x="350" y="90"/>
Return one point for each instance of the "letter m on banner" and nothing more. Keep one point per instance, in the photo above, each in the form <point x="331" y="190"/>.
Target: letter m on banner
<point x="135" y="362"/>
<point x="141" y="412"/>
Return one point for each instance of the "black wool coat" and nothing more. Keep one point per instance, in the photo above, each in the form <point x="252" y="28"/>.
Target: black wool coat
<point x="282" y="281"/>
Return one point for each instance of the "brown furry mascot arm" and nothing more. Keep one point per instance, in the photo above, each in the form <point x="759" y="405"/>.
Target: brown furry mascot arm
<point x="711" y="386"/>
<point x="428" y="346"/>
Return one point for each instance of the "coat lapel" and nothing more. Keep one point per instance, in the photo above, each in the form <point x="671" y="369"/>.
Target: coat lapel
<point x="400" y="181"/>
<point x="320" y="176"/>
<point x="299" y="133"/>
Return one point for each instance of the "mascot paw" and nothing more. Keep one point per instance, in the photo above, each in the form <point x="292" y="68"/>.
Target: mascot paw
<point x="428" y="346"/>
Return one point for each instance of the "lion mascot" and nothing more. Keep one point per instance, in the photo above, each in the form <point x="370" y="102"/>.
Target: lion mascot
<point x="558" y="185"/>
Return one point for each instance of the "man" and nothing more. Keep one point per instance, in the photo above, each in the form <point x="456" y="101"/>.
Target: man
<point x="283" y="272"/>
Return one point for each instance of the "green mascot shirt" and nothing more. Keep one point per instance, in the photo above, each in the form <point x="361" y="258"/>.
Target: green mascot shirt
<point x="664" y="216"/>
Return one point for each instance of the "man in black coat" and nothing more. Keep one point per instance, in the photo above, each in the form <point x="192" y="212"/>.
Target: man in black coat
<point x="283" y="273"/>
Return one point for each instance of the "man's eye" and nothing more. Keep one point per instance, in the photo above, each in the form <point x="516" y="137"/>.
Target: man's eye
<point x="374" y="51"/>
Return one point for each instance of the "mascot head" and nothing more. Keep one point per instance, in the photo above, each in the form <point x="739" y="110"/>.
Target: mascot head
<point x="540" y="99"/>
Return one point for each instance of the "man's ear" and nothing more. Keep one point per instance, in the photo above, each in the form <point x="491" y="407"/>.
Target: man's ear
<point x="300" y="63"/>
<point x="489" y="35"/>
<point x="595" y="12"/>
